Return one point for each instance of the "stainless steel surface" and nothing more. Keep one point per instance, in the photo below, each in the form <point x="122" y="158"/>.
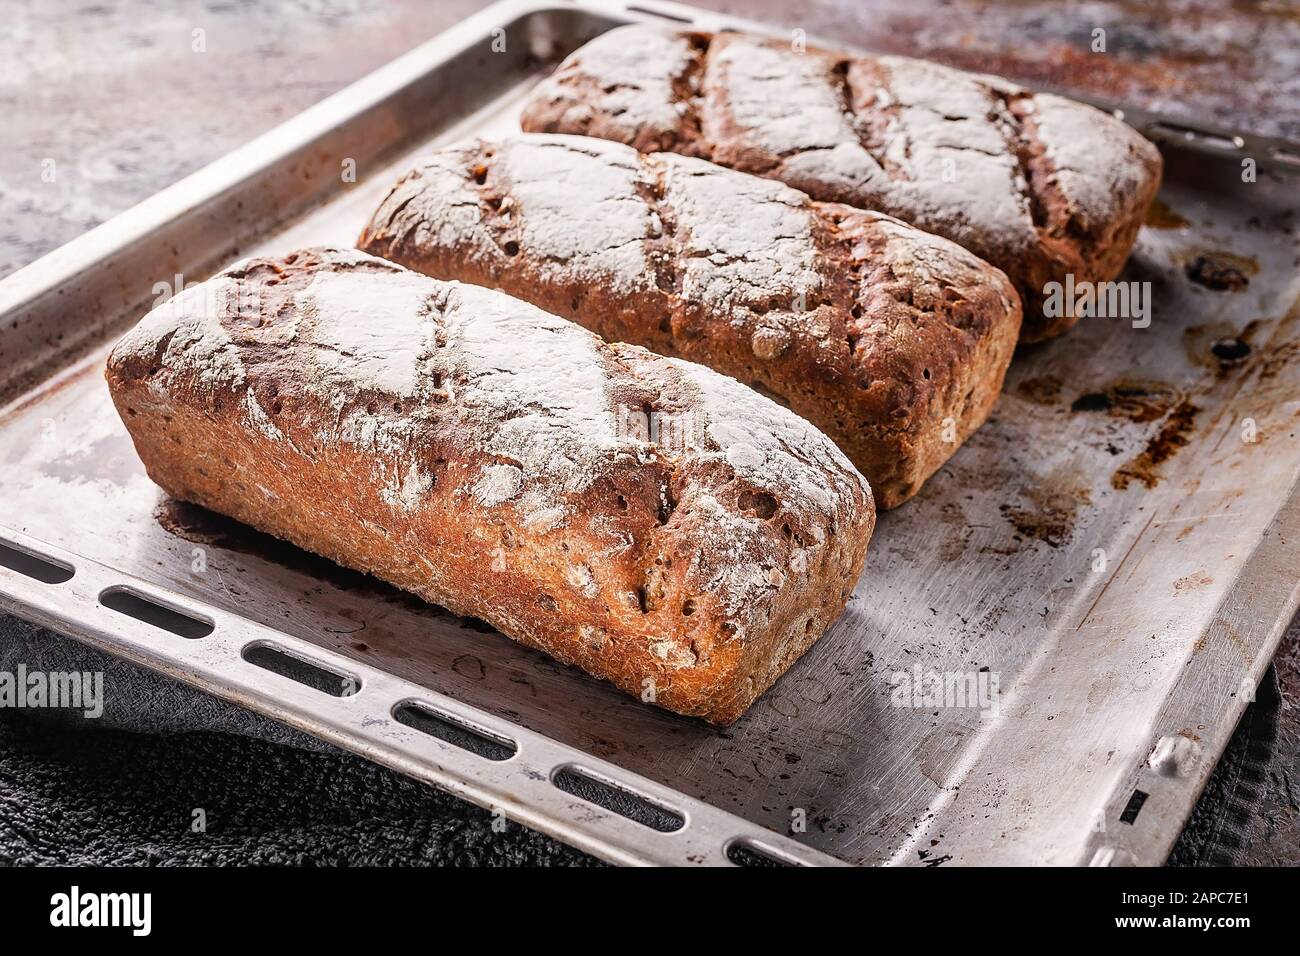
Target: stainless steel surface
<point x="1117" y="619"/>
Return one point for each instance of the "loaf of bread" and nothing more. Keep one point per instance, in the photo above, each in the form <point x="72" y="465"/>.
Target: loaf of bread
<point x="651" y="521"/>
<point x="892" y="341"/>
<point x="1038" y="185"/>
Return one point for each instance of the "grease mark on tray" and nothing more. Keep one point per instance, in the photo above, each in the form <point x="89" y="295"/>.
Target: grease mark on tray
<point x="1041" y="389"/>
<point x="1160" y="215"/>
<point x="1220" y="346"/>
<point x="1132" y="399"/>
<point x="1048" y="512"/>
<point x="1173" y="435"/>
<point x="958" y="531"/>
<point x="1221" y="271"/>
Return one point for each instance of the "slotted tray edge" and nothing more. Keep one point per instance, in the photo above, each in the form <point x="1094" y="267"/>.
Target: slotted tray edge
<point x="522" y="786"/>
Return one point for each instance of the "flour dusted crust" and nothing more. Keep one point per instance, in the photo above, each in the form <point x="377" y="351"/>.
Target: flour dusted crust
<point x="1038" y="185"/>
<point x="892" y="341"/>
<point x="655" y="523"/>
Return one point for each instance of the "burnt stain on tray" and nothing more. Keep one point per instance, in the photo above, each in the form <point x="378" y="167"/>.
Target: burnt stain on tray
<point x="958" y="531"/>
<point x="1041" y="390"/>
<point x="1049" y="512"/>
<point x="1278" y="358"/>
<point x="1221" y="271"/>
<point x="1174" y="434"/>
<point x="1230" y="351"/>
<point x="1219" y="346"/>
<point x="1142" y="402"/>
<point x="1224" y="349"/>
<point x="1135" y="400"/>
<point x="1160" y="215"/>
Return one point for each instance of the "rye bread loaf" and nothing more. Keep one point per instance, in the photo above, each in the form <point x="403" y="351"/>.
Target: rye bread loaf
<point x="1039" y="185"/>
<point x="892" y="341"/>
<point x="657" y="524"/>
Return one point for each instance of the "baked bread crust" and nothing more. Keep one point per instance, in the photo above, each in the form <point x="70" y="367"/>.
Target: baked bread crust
<point x="892" y="341"/>
<point x="646" y="519"/>
<point x="1039" y="185"/>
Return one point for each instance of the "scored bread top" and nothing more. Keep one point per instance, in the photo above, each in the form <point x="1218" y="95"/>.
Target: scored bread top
<point x="1037" y="184"/>
<point x="473" y="407"/>
<point x="873" y="330"/>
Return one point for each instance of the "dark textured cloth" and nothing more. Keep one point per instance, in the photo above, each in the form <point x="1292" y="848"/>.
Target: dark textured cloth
<point x="1233" y="809"/>
<point x="89" y="796"/>
<point x="134" y="698"/>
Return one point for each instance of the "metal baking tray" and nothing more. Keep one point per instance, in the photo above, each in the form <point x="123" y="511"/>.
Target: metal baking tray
<point x="1096" y="582"/>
